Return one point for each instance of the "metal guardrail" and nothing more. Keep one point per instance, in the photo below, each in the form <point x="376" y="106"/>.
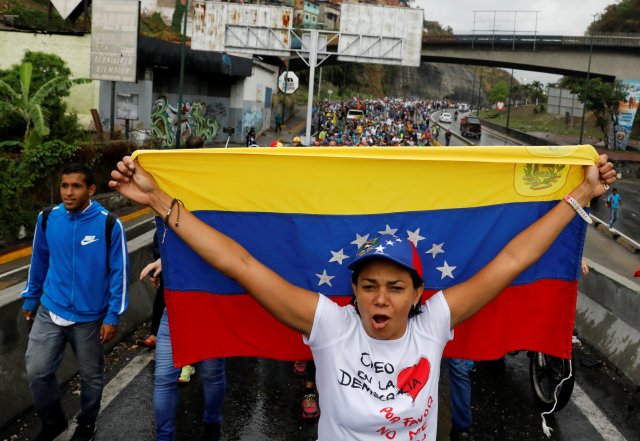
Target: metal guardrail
<point x="503" y="40"/>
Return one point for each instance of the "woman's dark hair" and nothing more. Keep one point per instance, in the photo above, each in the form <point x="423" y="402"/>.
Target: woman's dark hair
<point x="77" y="167"/>
<point x="415" y="279"/>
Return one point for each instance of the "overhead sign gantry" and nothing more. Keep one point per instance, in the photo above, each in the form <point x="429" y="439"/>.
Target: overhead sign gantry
<point x="368" y="34"/>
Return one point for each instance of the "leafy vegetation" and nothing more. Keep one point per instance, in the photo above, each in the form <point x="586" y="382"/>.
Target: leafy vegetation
<point x="34" y="15"/>
<point x="499" y="92"/>
<point x="600" y="97"/>
<point x="619" y="17"/>
<point x="31" y="150"/>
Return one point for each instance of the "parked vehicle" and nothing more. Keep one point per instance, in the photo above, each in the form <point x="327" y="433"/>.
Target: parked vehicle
<point x="470" y="127"/>
<point x="355" y="114"/>
<point x="445" y="117"/>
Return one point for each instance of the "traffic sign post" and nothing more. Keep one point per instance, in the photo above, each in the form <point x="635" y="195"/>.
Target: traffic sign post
<point x="288" y="82"/>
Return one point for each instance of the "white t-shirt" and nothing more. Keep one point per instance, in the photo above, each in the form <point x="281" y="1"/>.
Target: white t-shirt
<point x="378" y="389"/>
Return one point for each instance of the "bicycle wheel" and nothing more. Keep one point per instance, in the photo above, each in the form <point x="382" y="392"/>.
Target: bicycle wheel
<point x="545" y="374"/>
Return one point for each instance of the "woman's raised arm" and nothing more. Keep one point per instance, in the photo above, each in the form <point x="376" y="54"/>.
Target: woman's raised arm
<point x="293" y="306"/>
<point x="469" y="297"/>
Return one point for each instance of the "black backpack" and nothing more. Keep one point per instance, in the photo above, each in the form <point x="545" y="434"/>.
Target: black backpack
<point x="108" y="226"/>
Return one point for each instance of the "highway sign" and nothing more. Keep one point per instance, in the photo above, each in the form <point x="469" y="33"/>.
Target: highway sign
<point x="290" y="80"/>
<point x="65" y="7"/>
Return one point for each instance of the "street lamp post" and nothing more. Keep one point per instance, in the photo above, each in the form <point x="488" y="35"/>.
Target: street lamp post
<point x="509" y="102"/>
<point x="181" y="80"/>
<point x="479" y="89"/>
<point x="588" y="83"/>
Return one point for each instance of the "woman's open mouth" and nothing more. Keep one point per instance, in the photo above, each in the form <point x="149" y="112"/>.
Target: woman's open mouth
<point x="379" y="321"/>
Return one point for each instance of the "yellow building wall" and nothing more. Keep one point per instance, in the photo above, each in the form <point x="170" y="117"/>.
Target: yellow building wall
<point x="74" y="50"/>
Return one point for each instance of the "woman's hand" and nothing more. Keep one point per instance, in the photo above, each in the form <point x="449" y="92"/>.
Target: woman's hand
<point x="607" y="175"/>
<point x="133" y="182"/>
<point x="595" y="179"/>
<point x="153" y="270"/>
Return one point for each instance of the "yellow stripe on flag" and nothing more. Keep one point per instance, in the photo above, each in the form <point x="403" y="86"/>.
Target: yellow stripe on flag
<point x="353" y="180"/>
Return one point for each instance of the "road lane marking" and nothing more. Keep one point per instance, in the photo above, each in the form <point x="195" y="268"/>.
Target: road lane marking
<point x="115" y="386"/>
<point x="597" y="419"/>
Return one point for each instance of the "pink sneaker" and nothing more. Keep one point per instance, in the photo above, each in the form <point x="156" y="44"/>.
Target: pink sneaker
<point x="299" y="367"/>
<point x="310" y="407"/>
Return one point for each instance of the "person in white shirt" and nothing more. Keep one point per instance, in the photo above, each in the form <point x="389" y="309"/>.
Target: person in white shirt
<point x="378" y="359"/>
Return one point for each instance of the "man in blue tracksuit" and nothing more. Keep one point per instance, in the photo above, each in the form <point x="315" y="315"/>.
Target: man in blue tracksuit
<point x="76" y="291"/>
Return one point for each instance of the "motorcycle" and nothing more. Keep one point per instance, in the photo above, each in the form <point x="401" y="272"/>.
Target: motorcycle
<point x="548" y="380"/>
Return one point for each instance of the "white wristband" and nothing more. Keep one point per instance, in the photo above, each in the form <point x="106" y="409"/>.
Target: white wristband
<point x="576" y="206"/>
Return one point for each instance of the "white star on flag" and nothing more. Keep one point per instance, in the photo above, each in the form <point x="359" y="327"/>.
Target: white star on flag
<point x="325" y="278"/>
<point x="379" y="249"/>
<point x="338" y="256"/>
<point x="436" y="249"/>
<point x="390" y="243"/>
<point x="360" y="240"/>
<point x="414" y="237"/>
<point x="446" y="270"/>
<point x="388" y="231"/>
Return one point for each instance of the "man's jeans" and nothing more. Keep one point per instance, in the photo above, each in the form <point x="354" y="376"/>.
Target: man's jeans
<point x="613" y="216"/>
<point x="460" y="386"/>
<point x="45" y="351"/>
<point x="165" y="390"/>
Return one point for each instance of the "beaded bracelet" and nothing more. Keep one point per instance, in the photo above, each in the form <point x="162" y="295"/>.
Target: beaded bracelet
<point x="168" y="215"/>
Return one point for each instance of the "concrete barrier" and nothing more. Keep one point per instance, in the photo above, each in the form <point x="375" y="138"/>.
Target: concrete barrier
<point x="14" y="330"/>
<point x="608" y="319"/>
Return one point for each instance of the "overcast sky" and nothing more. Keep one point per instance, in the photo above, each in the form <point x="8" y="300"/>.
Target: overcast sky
<point x="554" y="17"/>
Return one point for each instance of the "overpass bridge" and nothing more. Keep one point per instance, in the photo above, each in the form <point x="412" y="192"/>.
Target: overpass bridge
<point x="613" y="56"/>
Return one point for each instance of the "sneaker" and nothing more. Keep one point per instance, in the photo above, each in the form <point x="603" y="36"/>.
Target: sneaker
<point x="210" y="432"/>
<point x="51" y="433"/>
<point x="310" y="407"/>
<point x="300" y="367"/>
<point x="84" y="432"/>
<point x="149" y="342"/>
<point x="186" y="373"/>
<point x="461" y="436"/>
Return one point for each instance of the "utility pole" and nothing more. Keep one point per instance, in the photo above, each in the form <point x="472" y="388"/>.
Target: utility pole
<point x="479" y="89"/>
<point x="181" y="83"/>
<point x="509" y="104"/>
<point x="587" y="83"/>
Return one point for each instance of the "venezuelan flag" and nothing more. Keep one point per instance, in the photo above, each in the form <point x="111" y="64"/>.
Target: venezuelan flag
<point x="304" y="212"/>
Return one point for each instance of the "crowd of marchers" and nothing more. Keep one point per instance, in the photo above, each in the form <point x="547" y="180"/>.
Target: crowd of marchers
<point x="378" y="122"/>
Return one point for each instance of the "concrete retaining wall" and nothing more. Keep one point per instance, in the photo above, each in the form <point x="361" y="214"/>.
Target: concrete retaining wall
<point x="607" y="318"/>
<point x="14" y="330"/>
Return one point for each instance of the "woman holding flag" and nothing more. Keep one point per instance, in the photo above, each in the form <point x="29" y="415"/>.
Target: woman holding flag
<point x="377" y="359"/>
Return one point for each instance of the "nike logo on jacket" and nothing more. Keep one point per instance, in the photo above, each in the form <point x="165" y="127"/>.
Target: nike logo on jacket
<point x="88" y="239"/>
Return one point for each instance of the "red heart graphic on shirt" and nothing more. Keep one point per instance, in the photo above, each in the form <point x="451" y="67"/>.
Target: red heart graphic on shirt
<point x="412" y="379"/>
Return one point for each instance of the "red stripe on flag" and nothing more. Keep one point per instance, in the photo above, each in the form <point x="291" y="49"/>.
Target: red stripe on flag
<point x="537" y="317"/>
<point x="204" y="325"/>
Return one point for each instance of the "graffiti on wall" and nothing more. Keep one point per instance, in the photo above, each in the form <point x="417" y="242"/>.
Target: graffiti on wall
<point x="198" y="118"/>
<point x="252" y="118"/>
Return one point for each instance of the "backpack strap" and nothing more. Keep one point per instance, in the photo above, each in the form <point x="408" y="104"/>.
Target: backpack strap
<point x="109" y="223"/>
<point x="45" y="216"/>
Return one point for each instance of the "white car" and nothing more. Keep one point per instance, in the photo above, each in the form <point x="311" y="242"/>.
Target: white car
<point x="445" y="117"/>
<point x="355" y="114"/>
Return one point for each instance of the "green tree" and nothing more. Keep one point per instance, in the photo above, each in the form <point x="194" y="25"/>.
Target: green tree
<point x="623" y="16"/>
<point x="599" y="97"/>
<point x="29" y="106"/>
<point x="537" y="93"/>
<point x="46" y="67"/>
<point x="30" y="151"/>
<point x="499" y="91"/>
